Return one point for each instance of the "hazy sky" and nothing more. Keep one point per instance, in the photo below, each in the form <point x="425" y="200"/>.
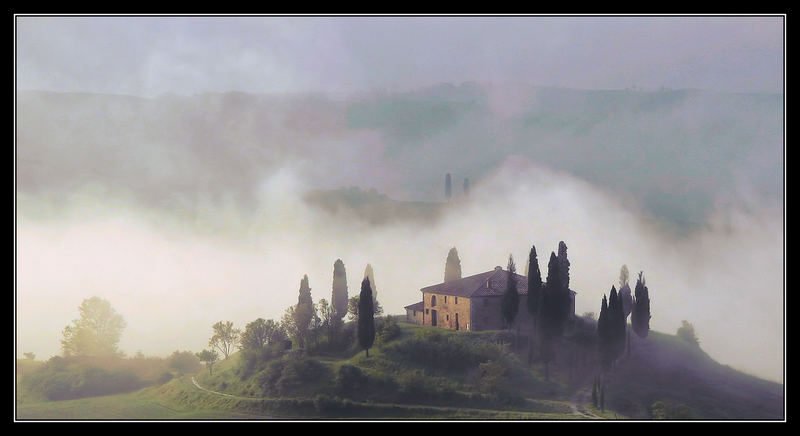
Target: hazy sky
<point x="185" y="211"/>
<point x="152" y="55"/>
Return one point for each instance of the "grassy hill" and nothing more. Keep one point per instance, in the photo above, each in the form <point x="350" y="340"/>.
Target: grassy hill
<point x="416" y="372"/>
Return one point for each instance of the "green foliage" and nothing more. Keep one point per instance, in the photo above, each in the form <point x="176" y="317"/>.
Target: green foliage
<point x="534" y="283"/>
<point x="351" y="379"/>
<point x="184" y="362"/>
<point x="225" y="338"/>
<point x="437" y="350"/>
<point x="62" y="379"/>
<point x="209" y="357"/>
<point x="291" y="373"/>
<point x="366" y="317"/>
<point x="259" y="333"/>
<point x="387" y="330"/>
<point x="687" y="333"/>
<point x="96" y="332"/>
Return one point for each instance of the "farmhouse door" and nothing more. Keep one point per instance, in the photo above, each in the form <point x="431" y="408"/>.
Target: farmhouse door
<point x="433" y="317"/>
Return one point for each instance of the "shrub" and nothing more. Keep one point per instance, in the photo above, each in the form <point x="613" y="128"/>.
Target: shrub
<point x="351" y="379"/>
<point x="668" y="410"/>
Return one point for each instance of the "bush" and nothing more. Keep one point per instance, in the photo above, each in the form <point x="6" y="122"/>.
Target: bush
<point x="184" y="362"/>
<point x="444" y="351"/>
<point x="165" y="378"/>
<point x="387" y="330"/>
<point x="59" y="380"/>
<point x="351" y="379"/>
<point x="668" y="410"/>
<point x="290" y="373"/>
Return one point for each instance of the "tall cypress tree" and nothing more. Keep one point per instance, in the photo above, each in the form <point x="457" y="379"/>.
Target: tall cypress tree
<point x="625" y="292"/>
<point x="510" y="302"/>
<point x="366" y="317"/>
<point x="534" y="295"/>
<point x="339" y="294"/>
<point x="603" y="337"/>
<point x="304" y="311"/>
<point x="466" y="187"/>
<point x="640" y="315"/>
<point x="534" y="283"/>
<point x="452" y="266"/>
<point x="448" y="188"/>
<point x="563" y="265"/>
<point x="368" y="273"/>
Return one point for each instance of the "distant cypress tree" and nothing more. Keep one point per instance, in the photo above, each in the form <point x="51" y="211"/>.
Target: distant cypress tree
<point x="625" y="292"/>
<point x="534" y="283"/>
<point x="371" y="275"/>
<point x="640" y="315"/>
<point x="304" y="310"/>
<point x="366" y="317"/>
<point x="563" y="265"/>
<point x="466" y="187"/>
<point x="339" y="294"/>
<point x="452" y="266"/>
<point x="510" y="302"/>
<point x="448" y="189"/>
<point x="594" y="392"/>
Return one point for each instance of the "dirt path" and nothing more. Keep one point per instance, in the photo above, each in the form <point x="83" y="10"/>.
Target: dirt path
<point x="577" y="403"/>
<point x="197" y="385"/>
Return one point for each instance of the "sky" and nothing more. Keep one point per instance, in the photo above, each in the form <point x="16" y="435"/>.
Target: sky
<point x="148" y="56"/>
<point x="183" y="209"/>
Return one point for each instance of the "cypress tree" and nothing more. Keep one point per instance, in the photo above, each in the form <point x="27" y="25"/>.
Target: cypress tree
<point x="304" y="310"/>
<point x="510" y="302"/>
<point x="534" y="295"/>
<point x="625" y="292"/>
<point x="452" y="266"/>
<point x="563" y="265"/>
<point x="368" y="273"/>
<point x="594" y="392"/>
<point x="466" y="187"/>
<point x="640" y="316"/>
<point x="603" y="334"/>
<point x="534" y="283"/>
<point x="339" y="294"/>
<point x="448" y="190"/>
<point x="366" y="317"/>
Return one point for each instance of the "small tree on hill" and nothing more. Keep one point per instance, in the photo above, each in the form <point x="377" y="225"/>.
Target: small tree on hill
<point x="255" y="335"/>
<point x="452" y="267"/>
<point x="687" y="333"/>
<point x="225" y="338"/>
<point x="366" y="319"/>
<point x="209" y="357"/>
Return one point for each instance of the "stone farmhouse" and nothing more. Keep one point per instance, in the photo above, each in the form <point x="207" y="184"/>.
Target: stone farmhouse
<point x="472" y="303"/>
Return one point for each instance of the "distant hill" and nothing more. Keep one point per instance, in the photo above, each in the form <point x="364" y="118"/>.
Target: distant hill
<point x="372" y="207"/>
<point x="666" y="368"/>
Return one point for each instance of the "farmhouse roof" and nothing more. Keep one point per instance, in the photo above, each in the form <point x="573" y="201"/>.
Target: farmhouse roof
<point x="487" y="284"/>
<point x="416" y="306"/>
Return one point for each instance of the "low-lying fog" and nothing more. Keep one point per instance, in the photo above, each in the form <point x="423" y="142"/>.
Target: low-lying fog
<point x="172" y="278"/>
